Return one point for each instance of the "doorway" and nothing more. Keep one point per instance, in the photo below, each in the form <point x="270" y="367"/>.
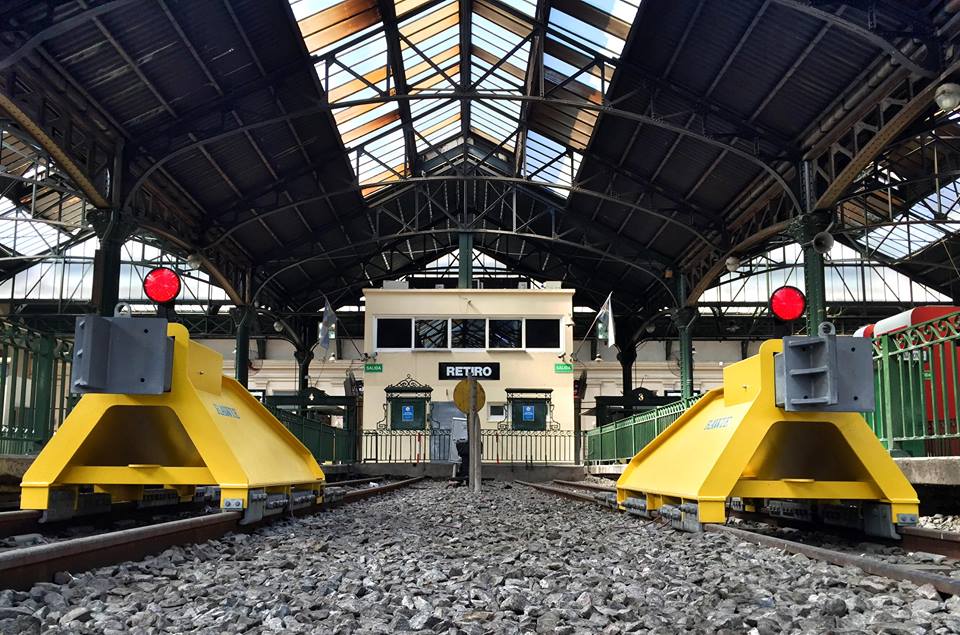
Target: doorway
<point x="450" y="426"/>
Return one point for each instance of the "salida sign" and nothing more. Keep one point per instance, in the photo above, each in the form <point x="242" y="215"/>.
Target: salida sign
<point x="463" y="370"/>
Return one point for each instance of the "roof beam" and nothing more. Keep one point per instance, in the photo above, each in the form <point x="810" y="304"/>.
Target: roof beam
<point x="466" y="43"/>
<point x="388" y="13"/>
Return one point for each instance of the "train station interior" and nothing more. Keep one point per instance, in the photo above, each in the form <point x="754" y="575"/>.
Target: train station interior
<point x="480" y="316"/>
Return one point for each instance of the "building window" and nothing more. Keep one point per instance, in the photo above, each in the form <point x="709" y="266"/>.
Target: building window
<point x="393" y="332"/>
<point x="498" y="412"/>
<point x="506" y="333"/>
<point x="543" y="333"/>
<point x="468" y="334"/>
<point x="430" y="334"/>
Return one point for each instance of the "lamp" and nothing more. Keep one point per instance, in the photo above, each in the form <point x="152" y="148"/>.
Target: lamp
<point x="947" y="96"/>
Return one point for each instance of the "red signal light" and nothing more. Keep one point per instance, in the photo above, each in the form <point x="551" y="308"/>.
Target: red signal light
<point x="162" y="285"/>
<point x="788" y="303"/>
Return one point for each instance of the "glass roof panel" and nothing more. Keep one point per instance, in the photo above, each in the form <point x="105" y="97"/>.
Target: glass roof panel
<point x="915" y="230"/>
<point x="848" y="277"/>
<point x="350" y="42"/>
<point x="23" y="235"/>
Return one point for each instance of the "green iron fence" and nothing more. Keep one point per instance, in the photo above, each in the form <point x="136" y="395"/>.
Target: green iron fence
<point x="34" y="388"/>
<point x="917" y="375"/>
<point x="621" y="440"/>
<point x="327" y="443"/>
<point x="917" y="387"/>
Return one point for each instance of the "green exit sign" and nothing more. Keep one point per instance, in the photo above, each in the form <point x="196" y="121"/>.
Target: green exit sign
<point x="373" y="368"/>
<point x="563" y="368"/>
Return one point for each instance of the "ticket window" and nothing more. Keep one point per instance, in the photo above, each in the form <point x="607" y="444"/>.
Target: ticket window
<point x="408" y="413"/>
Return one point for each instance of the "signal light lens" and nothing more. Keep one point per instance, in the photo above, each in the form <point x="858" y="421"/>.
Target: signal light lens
<point x="788" y="303"/>
<point x="162" y="285"/>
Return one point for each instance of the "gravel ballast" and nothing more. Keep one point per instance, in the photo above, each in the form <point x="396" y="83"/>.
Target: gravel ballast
<point x="433" y="559"/>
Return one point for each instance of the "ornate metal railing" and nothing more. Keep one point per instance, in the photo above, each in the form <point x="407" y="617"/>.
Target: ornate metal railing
<point x="918" y="382"/>
<point x="406" y="446"/>
<point x="34" y="388"/>
<point x="545" y="447"/>
<point x="621" y="440"/>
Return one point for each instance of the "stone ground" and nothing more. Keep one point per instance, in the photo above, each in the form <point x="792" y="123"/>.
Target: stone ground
<point x="432" y="559"/>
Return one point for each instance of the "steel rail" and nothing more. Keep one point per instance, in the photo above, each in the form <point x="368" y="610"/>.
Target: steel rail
<point x="18" y="522"/>
<point x="577" y="496"/>
<point x="945" y="543"/>
<point x="583" y="485"/>
<point x="872" y="566"/>
<point x="21" y="568"/>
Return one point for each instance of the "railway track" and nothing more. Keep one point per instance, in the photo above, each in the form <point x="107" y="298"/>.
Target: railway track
<point x="914" y="539"/>
<point x="20" y="568"/>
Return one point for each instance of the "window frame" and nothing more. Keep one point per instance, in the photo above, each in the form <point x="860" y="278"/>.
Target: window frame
<point x="508" y="318"/>
<point x="413" y="338"/>
<point x="486" y="334"/>
<point x="560" y="330"/>
<point x="391" y="349"/>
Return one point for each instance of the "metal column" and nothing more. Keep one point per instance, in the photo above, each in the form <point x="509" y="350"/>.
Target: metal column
<point x="684" y="321"/>
<point x="465" y="280"/>
<point x="106" y="263"/>
<point x="241" y="355"/>
<point x="813" y="277"/>
<point x="43" y="379"/>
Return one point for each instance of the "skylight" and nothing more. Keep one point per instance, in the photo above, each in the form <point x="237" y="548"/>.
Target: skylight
<point x="848" y="277"/>
<point x="916" y="230"/>
<point x="350" y="40"/>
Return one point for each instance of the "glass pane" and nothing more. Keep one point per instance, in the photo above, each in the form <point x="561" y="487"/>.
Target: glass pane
<point x="393" y="333"/>
<point x="431" y="334"/>
<point x="543" y="333"/>
<point x="468" y="334"/>
<point x="505" y="333"/>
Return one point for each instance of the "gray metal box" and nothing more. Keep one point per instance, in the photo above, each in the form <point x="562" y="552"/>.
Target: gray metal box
<point x="825" y="373"/>
<point x="121" y="355"/>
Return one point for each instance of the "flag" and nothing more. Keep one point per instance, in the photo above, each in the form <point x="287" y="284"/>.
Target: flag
<point x="605" y="321"/>
<point x="327" y="326"/>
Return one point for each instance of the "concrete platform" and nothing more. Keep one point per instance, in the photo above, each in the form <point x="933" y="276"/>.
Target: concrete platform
<point x="934" y="470"/>
<point x="12" y="467"/>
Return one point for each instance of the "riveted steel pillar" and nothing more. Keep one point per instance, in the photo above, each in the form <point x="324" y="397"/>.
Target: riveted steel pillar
<point x="804" y="229"/>
<point x="465" y="280"/>
<point x="813" y="277"/>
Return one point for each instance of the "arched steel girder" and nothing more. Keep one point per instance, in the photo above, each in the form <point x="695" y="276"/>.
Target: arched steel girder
<point x="592" y="229"/>
<point x="862" y="32"/>
<point x="655" y="275"/>
<point x="894" y="126"/>
<point x="461" y="96"/>
<point x="449" y="178"/>
<point x="58" y="29"/>
<point x="340" y="292"/>
<point x="205" y="264"/>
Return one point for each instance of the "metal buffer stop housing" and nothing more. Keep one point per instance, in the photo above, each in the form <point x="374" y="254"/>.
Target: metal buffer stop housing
<point x="158" y="419"/>
<point x="782" y="436"/>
